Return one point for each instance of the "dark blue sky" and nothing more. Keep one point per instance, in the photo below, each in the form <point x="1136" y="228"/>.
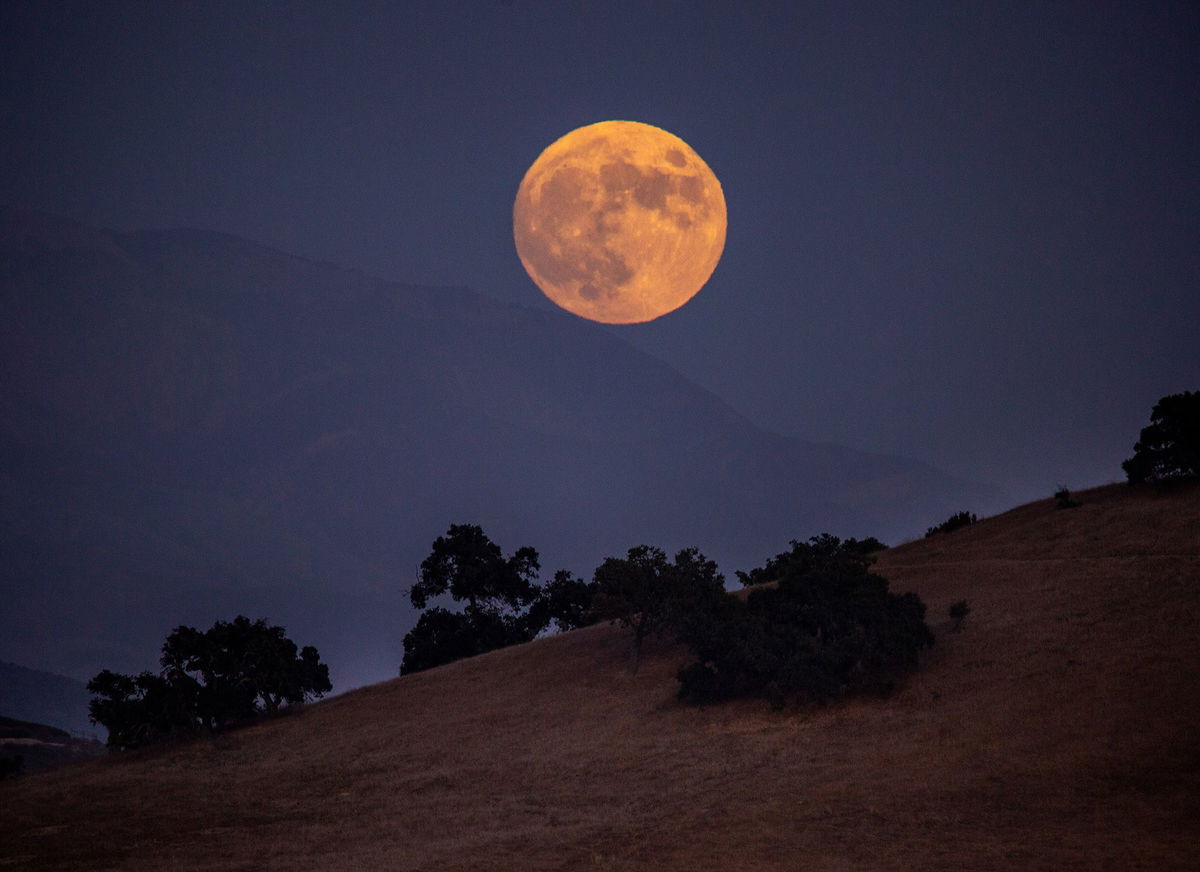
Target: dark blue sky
<point x="965" y="233"/>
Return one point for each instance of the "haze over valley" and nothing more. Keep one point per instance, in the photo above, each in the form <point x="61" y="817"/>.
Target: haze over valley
<point x="197" y="426"/>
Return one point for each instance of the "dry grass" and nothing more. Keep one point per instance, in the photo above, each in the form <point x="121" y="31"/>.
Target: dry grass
<point x="1057" y="730"/>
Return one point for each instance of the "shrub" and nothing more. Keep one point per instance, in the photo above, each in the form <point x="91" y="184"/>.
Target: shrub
<point x="1169" y="447"/>
<point x="827" y="628"/>
<point x="1062" y="499"/>
<point x="954" y="522"/>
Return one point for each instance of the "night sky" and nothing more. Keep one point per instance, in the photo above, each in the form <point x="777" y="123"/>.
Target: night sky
<point x="963" y="233"/>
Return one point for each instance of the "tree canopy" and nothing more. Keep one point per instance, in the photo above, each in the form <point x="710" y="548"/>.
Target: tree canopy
<point x="650" y="595"/>
<point x="466" y="564"/>
<point x="818" y="554"/>
<point x="1170" y="446"/>
<point x="242" y="667"/>
<point x="501" y="602"/>
<point x="211" y="679"/>
<point x="565" y="601"/>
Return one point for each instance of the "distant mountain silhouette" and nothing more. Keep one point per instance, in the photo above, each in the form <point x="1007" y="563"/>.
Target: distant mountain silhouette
<point x="194" y="426"/>
<point x="45" y="698"/>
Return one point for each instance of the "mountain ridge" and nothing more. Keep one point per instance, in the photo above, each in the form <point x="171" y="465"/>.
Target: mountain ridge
<point x="45" y="698"/>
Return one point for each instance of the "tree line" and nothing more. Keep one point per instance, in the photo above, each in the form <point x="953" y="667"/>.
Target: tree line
<point x="816" y="623"/>
<point x="822" y="627"/>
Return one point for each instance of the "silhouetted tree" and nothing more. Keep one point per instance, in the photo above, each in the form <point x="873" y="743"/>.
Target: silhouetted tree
<point x="499" y="595"/>
<point x="470" y="567"/>
<point x="648" y="594"/>
<point x="1170" y="446"/>
<point x="565" y="601"/>
<point x="501" y="602"/>
<point x="142" y="709"/>
<point x="241" y="667"/>
<point x="442" y="636"/>
<point x="208" y="680"/>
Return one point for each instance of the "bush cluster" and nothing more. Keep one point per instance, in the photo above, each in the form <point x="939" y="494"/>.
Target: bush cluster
<point x="826" y="628"/>
<point x="954" y="522"/>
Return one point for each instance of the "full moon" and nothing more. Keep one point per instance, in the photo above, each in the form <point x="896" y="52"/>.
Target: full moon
<point x="619" y="222"/>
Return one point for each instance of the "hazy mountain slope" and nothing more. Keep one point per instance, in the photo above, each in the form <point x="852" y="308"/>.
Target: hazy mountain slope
<point x="195" y="426"/>
<point x="45" y="698"/>
<point x="1054" y="732"/>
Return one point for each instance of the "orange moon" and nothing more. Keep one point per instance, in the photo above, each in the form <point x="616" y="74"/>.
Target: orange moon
<point x="619" y="222"/>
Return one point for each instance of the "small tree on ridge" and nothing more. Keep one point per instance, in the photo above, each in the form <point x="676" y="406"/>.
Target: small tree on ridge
<point x="502" y="601"/>
<point x="1170" y="446"/>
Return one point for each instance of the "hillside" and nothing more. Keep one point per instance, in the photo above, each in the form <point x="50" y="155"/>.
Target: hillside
<point x="1055" y="731"/>
<point x="36" y="746"/>
<point x="195" y="426"/>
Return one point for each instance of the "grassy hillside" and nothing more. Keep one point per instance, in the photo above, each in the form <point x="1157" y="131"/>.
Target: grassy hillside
<point x="1055" y="731"/>
<point x="40" y="746"/>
